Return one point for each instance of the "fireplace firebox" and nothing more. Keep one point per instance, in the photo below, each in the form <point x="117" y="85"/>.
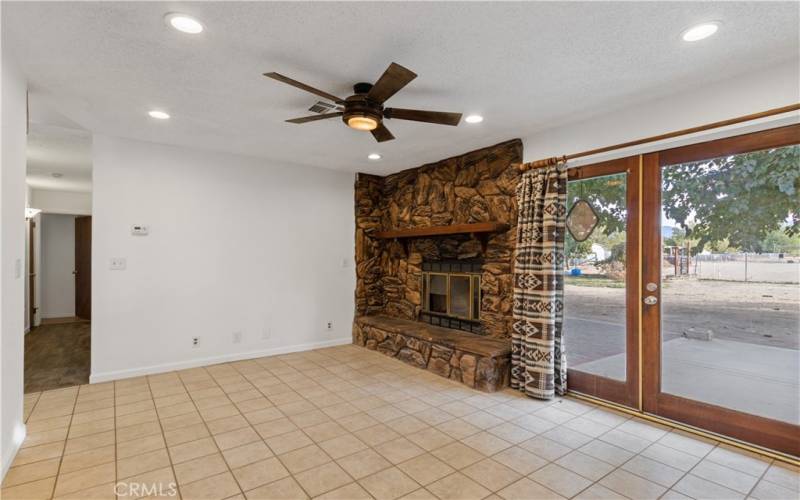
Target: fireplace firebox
<point x="451" y="294"/>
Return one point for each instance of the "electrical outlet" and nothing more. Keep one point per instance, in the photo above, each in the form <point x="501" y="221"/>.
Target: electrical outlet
<point x="117" y="263"/>
<point x="329" y="326"/>
<point x="140" y="230"/>
<point x="237" y="337"/>
<point x="195" y="341"/>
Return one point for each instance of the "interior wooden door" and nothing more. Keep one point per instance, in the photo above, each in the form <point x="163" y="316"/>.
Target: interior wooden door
<point x="31" y="274"/>
<point x="83" y="267"/>
<point x="720" y="322"/>
<point x="601" y="293"/>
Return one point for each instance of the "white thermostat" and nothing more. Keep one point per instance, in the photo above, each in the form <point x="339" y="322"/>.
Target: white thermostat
<point x="139" y="230"/>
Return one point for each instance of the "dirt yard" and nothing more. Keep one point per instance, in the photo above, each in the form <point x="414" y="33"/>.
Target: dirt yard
<point x="756" y="313"/>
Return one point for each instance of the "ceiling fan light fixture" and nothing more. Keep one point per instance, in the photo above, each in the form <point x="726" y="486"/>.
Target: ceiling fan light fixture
<point x="364" y="123"/>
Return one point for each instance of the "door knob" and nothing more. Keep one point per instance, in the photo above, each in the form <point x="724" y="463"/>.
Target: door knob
<point x="651" y="300"/>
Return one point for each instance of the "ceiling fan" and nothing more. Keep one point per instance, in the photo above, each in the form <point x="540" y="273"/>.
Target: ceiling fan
<point x="364" y="109"/>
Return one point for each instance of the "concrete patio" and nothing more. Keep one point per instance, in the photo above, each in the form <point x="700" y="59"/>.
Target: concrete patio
<point x="757" y="379"/>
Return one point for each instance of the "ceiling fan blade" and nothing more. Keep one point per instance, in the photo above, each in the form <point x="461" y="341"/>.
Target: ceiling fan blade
<point x="303" y="86"/>
<point x="382" y="134"/>
<point x="393" y="79"/>
<point x="314" y="118"/>
<point x="418" y="115"/>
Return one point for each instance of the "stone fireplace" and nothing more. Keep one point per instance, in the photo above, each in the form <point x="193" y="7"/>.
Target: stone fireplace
<point x="435" y="299"/>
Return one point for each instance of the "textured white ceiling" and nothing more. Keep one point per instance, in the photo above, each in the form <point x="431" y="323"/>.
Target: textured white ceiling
<point x="524" y="66"/>
<point x="66" y="151"/>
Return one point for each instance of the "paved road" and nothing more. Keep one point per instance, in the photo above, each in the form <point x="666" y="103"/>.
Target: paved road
<point x="591" y="339"/>
<point x="755" y="313"/>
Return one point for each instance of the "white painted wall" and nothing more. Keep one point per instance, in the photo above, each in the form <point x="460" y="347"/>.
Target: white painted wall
<point x="750" y="93"/>
<point x="12" y="257"/>
<point x="57" y="265"/>
<point x="235" y="244"/>
<point x="61" y="202"/>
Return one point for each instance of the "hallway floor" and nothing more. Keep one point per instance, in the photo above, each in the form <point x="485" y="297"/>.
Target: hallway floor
<point x="57" y="354"/>
<point x="349" y="423"/>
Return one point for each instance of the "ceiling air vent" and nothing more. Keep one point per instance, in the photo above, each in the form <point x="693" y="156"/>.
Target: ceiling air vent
<point x="324" y="107"/>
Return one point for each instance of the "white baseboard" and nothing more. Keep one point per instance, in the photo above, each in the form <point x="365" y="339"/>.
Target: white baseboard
<point x="96" y="378"/>
<point x="10" y="452"/>
<point x="49" y="315"/>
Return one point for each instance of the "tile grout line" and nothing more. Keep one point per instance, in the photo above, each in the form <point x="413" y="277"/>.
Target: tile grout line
<point x="314" y="443"/>
<point x="64" y="449"/>
<point x="291" y="474"/>
<point x="208" y="429"/>
<point x="164" y="437"/>
<point x="335" y="461"/>
<point x="760" y="478"/>
<point x="705" y="457"/>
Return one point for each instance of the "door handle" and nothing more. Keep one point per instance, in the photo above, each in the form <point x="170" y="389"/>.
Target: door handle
<point x="75" y="273"/>
<point x="651" y="300"/>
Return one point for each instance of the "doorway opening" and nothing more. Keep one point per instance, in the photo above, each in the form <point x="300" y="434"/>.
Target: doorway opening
<point x="58" y="258"/>
<point x="57" y="347"/>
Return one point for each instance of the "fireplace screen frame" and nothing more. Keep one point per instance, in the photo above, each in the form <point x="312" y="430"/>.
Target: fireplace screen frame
<point x="474" y="314"/>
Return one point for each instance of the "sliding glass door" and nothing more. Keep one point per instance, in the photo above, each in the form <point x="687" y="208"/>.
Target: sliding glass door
<point x="682" y="285"/>
<point x="721" y="285"/>
<point x="600" y="285"/>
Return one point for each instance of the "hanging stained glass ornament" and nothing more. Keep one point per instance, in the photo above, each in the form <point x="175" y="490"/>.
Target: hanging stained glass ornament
<point x="581" y="219"/>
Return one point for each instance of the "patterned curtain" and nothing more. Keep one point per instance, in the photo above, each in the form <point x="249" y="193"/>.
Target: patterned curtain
<point x="538" y="364"/>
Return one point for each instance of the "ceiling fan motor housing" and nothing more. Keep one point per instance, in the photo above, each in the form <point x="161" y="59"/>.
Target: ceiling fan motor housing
<point x="359" y="106"/>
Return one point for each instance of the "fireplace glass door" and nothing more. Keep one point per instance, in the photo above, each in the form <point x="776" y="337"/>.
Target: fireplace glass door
<point x="436" y="296"/>
<point x="460" y="303"/>
<point x="452" y="299"/>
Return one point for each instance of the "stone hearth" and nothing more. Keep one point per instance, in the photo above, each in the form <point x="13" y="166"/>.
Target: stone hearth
<point x="477" y="361"/>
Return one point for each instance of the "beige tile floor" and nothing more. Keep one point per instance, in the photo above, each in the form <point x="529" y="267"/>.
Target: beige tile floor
<point x="348" y="423"/>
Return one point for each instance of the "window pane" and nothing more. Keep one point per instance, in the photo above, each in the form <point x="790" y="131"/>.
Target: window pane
<point x="594" y="290"/>
<point x="730" y="298"/>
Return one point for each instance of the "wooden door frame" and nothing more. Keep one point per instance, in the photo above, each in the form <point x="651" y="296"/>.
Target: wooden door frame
<point x="87" y="272"/>
<point x="626" y="393"/>
<point x="32" y="270"/>
<point x="770" y="433"/>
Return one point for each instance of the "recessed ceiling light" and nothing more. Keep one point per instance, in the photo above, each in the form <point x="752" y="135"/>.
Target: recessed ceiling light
<point x="184" y="23"/>
<point x="57" y="175"/>
<point x="699" y="32"/>
<point x="473" y="119"/>
<point x="374" y="156"/>
<point x="158" y="115"/>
